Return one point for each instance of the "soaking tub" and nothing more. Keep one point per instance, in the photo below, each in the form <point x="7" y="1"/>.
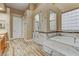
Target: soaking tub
<point x="67" y="40"/>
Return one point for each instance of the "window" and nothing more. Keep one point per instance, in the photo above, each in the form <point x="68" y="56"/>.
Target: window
<point x="37" y="18"/>
<point x="70" y="21"/>
<point x="2" y="24"/>
<point x="52" y="21"/>
<point x="3" y="21"/>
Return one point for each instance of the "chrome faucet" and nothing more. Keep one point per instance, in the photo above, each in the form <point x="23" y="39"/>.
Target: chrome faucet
<point x="51" y="53"/>
<point x="74" y="40"/>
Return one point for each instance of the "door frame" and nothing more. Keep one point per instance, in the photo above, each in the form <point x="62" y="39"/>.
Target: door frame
<point x="21" y="27"/>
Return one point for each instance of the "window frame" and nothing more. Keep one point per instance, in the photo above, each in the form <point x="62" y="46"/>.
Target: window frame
<point x="72" y="15"/>
<point x="55" y="17"/>
<point x="37" y="22"/>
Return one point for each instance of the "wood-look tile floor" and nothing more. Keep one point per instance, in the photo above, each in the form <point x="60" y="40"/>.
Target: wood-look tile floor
<point x="18" y="47"/>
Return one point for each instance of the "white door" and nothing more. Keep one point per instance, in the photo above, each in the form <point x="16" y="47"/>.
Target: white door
<point x="17" y="27"/>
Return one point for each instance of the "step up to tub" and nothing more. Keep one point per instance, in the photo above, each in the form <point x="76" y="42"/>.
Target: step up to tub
<point x="61" y="48"/>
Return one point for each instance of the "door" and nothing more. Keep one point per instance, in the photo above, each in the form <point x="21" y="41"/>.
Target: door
<point x="17" y="27"/>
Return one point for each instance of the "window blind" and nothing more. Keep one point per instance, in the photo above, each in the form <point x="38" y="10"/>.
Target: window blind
<point x="70" y="21"/>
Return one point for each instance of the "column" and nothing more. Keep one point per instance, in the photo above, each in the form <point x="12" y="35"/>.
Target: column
<point x="45" y="22"/>
<point x="9" y="23"/>
<point x="28" y="25"/>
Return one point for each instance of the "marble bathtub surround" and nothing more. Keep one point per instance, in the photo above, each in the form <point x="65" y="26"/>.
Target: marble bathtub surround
<point x="66" y="39"/>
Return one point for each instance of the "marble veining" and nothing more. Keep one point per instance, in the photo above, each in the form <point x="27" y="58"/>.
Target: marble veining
<point x="18" y="47"/>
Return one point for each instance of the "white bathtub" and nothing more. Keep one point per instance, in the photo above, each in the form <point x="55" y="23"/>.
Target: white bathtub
<point x="67" y="40"/>
<point x="62" y="48"/>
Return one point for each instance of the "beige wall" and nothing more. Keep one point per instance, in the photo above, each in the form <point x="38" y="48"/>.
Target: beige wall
<point x="59" y="20"/>
<point x="9" y="29"/>
<point x="28" y="25"/>
<point x="11" y="26"/>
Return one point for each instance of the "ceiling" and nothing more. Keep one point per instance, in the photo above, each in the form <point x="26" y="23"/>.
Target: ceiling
<point x="62" y="6"/>
<point x="67" y="6"/>
<point x="18" y="6"/>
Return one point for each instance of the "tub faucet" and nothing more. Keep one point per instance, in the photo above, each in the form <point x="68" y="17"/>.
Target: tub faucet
<point x="51" y="53"/>
<point x="74" y="40"/>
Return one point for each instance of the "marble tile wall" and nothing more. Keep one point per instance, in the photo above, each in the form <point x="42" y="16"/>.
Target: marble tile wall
<point x="44" y="39"/>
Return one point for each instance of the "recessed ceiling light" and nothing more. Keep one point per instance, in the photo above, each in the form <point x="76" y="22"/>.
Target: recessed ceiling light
<point x="1" y="8"/>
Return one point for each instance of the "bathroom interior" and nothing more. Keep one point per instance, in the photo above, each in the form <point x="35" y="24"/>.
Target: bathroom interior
<point x="39" y="29"/>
